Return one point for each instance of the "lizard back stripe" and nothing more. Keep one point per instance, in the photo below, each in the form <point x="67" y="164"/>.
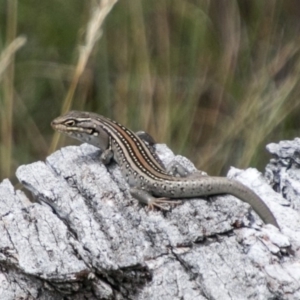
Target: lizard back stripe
<point x="135" y="150"/>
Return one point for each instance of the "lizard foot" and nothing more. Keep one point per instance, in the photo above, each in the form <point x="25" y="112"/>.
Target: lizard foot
<point x="162" y="203"/>
<point x="152" y="202"/>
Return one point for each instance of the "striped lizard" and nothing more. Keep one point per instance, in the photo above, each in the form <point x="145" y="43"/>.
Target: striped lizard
<point x="149" y="181"/>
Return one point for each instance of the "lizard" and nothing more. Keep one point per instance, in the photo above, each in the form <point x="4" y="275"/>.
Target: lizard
<point x="150" y="182"/>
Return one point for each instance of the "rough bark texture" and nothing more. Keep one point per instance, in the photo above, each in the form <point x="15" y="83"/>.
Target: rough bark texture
<point x="84" y="237"/>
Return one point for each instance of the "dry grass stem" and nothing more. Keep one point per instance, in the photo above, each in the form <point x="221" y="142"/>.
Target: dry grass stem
<point x="8" y="53"/>
<point x="93" y="33"/>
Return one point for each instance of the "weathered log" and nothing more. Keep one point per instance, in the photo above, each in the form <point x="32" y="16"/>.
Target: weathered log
<point x="84" y="237"/>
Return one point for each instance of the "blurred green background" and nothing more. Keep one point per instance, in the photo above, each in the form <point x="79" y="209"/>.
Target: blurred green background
<point x="215" y="80"/>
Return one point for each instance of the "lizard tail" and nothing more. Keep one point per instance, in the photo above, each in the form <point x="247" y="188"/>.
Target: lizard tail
<point x="237" y="189"/>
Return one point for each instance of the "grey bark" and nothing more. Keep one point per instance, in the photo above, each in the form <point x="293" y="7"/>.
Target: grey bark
<point x="84" y="237"/>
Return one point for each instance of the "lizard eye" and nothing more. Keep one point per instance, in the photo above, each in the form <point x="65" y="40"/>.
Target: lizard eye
<point x="70" y="123"/>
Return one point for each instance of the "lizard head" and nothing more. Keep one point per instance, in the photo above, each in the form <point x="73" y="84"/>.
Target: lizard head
<point x="83" y="126"/>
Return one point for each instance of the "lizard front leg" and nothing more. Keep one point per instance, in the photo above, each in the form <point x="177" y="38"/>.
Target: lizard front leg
<point x="107" y="156"/>
<point x="174" y="168"/>
<point x="146" y="137"/>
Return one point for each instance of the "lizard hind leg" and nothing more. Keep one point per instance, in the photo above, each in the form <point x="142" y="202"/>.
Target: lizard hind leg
<point x="146" y="198"/>
<point x="176" y="169"/>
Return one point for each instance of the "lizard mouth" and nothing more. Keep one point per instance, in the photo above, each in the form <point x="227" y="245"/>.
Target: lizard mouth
<point x="60" y="128"/>
<point x="56" y="126"/>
